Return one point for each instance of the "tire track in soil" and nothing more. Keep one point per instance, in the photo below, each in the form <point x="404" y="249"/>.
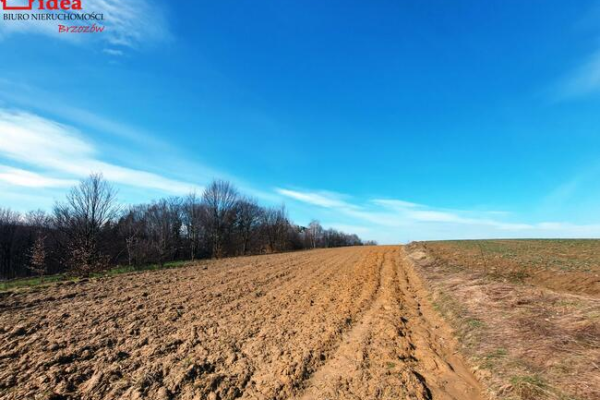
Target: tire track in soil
<point x="391" y="352"/>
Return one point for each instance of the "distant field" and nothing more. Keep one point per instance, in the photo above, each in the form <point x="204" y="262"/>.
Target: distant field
<point x="563" y="265"/>
<point x="527" y="312"/>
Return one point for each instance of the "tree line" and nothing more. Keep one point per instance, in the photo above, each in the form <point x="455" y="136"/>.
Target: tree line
<point x="89" y="232"/>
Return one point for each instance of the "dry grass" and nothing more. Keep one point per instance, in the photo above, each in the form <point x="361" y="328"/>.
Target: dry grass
<point x="524" y="340"/>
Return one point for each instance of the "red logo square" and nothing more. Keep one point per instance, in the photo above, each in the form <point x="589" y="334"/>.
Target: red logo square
<point x="16" y="5"/>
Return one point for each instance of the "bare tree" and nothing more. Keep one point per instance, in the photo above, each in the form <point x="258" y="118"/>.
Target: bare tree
<point x="130" y="228"/>
<point x="219" y="201"/>
<point x="89" y="207"/>
<point x="9" y="223"/>
<point x="164" y="228"/>
<point x="38" y="257"/>
<point x="38" y="220"/>
<point x="275" y="226"/>
<point x="248" y="216"/>
<point x="83" y="234"/>
<point x="314" y="233"/>
<point x="191" y="214"/>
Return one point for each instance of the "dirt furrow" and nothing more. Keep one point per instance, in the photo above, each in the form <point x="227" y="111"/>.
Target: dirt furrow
<point x="389" y="353"/>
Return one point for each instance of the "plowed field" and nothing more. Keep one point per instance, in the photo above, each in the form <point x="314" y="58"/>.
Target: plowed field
<point x="349" y="323"/>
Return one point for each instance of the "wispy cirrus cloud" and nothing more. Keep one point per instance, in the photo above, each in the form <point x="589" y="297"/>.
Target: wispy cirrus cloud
<point x="20" y="95"/>
<point x="128" y="24"/>
<point x="113" y="52"/>
<point x="322" y="199"/>
<point x="422" y="213"/>
<point x="387" y="220"/>
<point x="583" y="81"/>
<point x="396" y="203"/>
<point x="21" y="177"/>
<point x="59" y="154"/>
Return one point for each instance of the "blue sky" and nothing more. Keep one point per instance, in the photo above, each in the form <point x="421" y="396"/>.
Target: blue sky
<point x="398" y="120"/>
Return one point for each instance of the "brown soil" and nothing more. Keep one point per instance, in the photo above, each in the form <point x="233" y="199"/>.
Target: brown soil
<point x="329" y="324"/>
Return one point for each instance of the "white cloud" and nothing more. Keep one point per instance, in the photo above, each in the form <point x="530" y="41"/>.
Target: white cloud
<point x="128" y="24"/>
<point x="435" y="216"/>
<point x="24" y="96"/>
<point x="113" y="52"/>
<point x="422" y="213"/>
<point x="396" y="203"/>
<point x="20" y="177"/>
<point x="583" y="81"/>
<point x="552" y="225"/>
<point x="322" y="199"/>
<point x="60" y="149"/>
<point x="356" y="229"/>
<point x="392" y="221"/>
<point x="579" y="188"/>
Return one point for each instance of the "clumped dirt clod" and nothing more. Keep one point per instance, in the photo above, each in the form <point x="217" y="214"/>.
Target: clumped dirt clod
<point x="348" y="323"/>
